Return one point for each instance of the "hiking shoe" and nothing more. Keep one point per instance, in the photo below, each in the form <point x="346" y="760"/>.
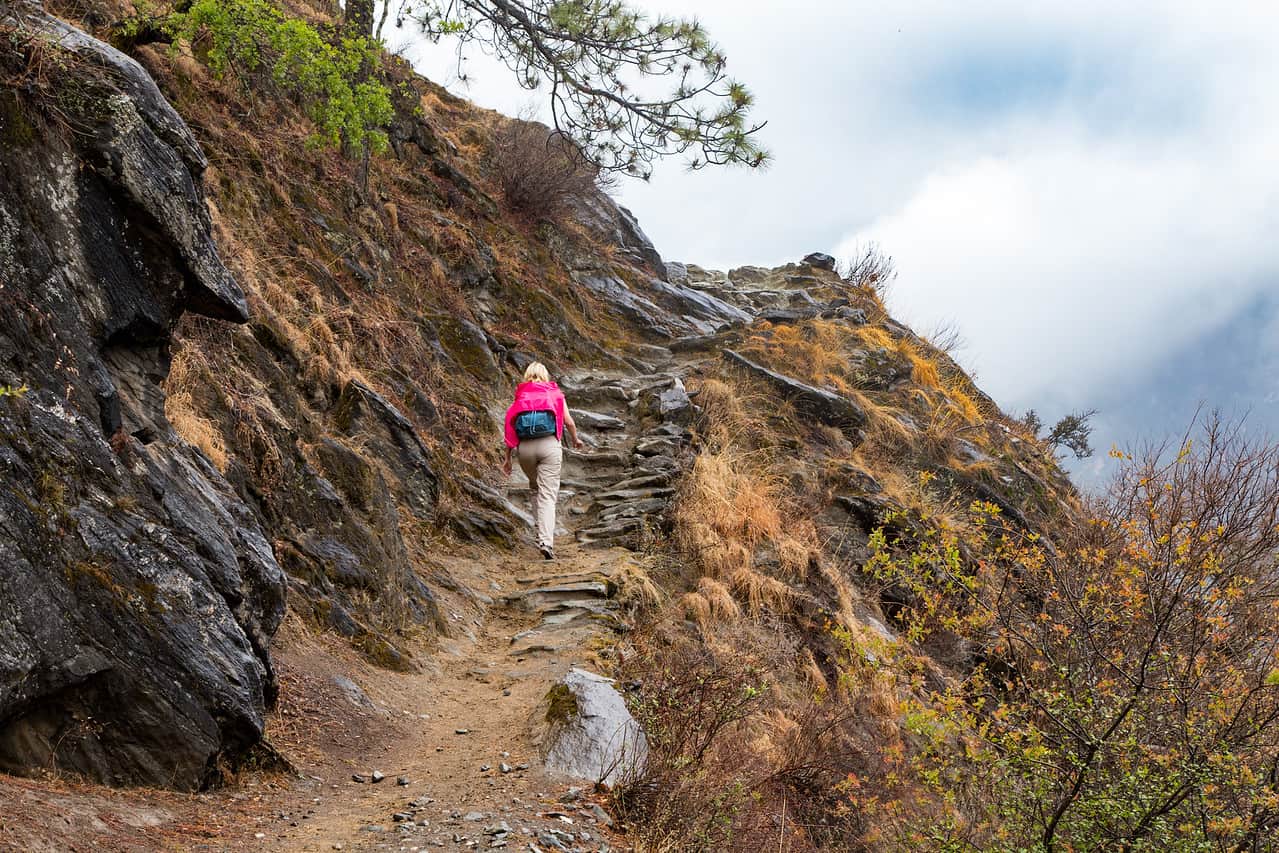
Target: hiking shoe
<point x="548" y="554"/>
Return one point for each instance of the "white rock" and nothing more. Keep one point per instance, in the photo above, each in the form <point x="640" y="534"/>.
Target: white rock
<point x="590" y="734"/>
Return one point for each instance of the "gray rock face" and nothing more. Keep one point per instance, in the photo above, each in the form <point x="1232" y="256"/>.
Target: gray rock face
<point x="390" y="436"/>
<point x="704" y="310"/>
<point x="823" y="406"/>
<point x="634" y="307"/>
<point x="138" y="594"/>
<point x="590" y="733"/>
<point x="674" y="404"/>
<point x="615" y="224"/>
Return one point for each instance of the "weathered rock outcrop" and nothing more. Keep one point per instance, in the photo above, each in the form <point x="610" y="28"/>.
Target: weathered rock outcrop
<point x="138" y="594"/>
<point x="824" y="406"/>
<point x="615" y="225"/>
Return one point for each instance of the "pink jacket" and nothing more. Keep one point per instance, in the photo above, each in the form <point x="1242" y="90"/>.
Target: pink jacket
<point x="535" y="397"/>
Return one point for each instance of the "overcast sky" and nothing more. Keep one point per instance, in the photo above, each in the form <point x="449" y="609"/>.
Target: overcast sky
<point x="1089" y="190"/>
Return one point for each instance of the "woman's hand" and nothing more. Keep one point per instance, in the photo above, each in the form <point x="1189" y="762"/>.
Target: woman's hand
<point x="506" y="464"/>
<point x="577" y="443"/>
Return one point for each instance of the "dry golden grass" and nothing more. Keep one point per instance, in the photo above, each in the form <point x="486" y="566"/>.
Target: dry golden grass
<point x="722" y="606"/>
<point x="636" y="588"/>
<point x="731" y="496"/>
<point x="797" y="551"/>
<point x="729" y="413"/>
<point x="923" y="372"/>
<point x="812" y="673"/>
<point x="875" y="337"/>
<point x="187" y="371"/>
<point x="697" y="609"/>
<point x="180" y="409"/>
<point x="761" y="592"/>
<point x="815" y="351"/>
<point x="887" y="438"/>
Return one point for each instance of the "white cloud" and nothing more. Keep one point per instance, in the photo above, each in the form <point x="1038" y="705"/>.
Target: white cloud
<point x="1071" y="266"/>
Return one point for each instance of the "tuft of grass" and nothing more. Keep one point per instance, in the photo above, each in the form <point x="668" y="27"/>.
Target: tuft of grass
<point x="189" y="369"/>
<point x="815" y="351"/>
<point x="636" y="588"/>
<point x="875" y="337"/>
<point x="729" y="497"/>
<point x="923" y="371"/>
<point x="696" y="608"/>
<point x="761" y="592"/>
<point x="719" y="599"/>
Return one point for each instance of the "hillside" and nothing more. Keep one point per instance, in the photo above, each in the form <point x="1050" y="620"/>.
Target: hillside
<point x="255" y="539"/>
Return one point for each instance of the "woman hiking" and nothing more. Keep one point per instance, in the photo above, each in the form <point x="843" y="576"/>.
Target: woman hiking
<point x="535" y="425"/>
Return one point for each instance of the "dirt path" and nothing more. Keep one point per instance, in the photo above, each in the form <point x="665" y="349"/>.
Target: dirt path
<point x="450" y="731"/>
<point x="447" y="731"/>
<point x="462" y="734"/>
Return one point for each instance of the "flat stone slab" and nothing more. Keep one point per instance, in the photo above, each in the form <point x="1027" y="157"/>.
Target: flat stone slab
<point x="596" y="420"/>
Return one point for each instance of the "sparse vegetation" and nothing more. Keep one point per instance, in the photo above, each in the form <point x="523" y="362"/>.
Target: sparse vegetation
<point x="542" y="173"/>
<point x="1122" y="693"/>
<point x="869" y="270"/>
<point x="1071" y="432"/>
<point x="976" y="676"/>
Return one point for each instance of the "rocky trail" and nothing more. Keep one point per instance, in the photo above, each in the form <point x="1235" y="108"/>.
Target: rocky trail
<point x="461" y="768"/>
<point x="446" y="757"/>
<point x="466" y="771"/>
<point x="450" y="756"/>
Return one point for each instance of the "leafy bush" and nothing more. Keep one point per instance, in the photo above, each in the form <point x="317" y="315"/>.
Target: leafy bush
<point x="1122" y="687"/>
<point x="329" y="73"/>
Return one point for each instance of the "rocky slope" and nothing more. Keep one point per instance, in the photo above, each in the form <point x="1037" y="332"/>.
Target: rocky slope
<point x="139" y="592"/>
<point x="244" y="378"/>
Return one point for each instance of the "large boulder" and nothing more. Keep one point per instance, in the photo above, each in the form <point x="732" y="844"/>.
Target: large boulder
<point x="821" y="261"/>
<point x="138" y="594"/>
<point x="589" y="733"/>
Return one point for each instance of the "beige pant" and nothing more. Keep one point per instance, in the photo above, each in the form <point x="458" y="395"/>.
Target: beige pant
<point x="541" y="458"/>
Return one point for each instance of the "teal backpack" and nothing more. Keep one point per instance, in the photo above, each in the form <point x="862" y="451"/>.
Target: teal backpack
<point x="534" y="424"/>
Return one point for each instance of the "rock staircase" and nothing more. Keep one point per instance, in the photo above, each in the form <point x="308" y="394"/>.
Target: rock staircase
<point x="635" y="425"/>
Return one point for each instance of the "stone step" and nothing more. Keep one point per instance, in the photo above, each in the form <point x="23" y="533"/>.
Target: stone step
<point x="634" y="509"/>
<point x="563" y="580"/>
<point x="600" y="457"/>
<point x="656" y="463"/>
<point x="546" y="596"/>
<point x="624" y="495"/>
<point x="590" y="485"/>
<point x="655" y="445"/>
<point x="610" y="530"/>
<point x="642" y="481"/>
<point x="587" y="419"/>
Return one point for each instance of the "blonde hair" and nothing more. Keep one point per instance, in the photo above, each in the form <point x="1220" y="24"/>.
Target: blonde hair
<point x="536" y="372"/>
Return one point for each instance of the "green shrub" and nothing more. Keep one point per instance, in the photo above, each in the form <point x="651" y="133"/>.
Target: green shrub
<point x="329" y="73"/>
